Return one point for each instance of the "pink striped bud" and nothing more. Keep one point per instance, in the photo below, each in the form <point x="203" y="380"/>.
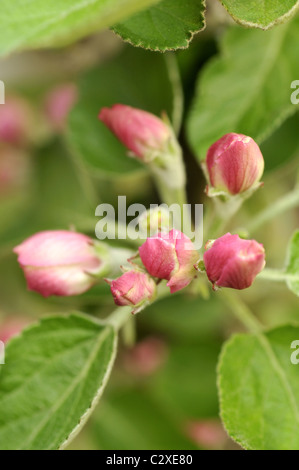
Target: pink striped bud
<point x="59" y="103"/>
<point x="58" y="262"/>
<point x="15" y="118"/>
<point x="233" y="262"/>
<point x="235" y="164"/>
<point x="133" y="288"/>
<point x="170" y="256"/>
<point x="141" y="132"/>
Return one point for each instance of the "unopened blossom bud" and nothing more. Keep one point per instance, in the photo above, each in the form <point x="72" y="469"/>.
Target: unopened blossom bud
<point x="133" y="288"/>
<point x="59" y="103"/>
<point x="233" y="262"/>
<point x="170" y="256"/>
<point x="58" y="262"/>
<point x="15" y="116"/>
<point x="155" y="220"/>
<point x="235" y="164"/>
<point x="141" y="132"/>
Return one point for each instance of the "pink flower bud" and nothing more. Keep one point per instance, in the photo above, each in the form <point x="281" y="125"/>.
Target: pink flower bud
<point x="59" y="103"/>
<point x="14" y="121"/>
<point x="235" y="164"/>
<point x="58" y="262"/>
<point x="141" y="132"/>
<point x="133" y="288"/>
<point x="233" y="262"/>
<point x="170" y="256"/>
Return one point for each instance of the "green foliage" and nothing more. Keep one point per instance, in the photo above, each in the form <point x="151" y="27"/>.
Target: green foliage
<point x="185" y="317"/>
<point x="33" y="23"/>
<point x="186" y="385"/>
<point x="168" y="25"/>
<point x="135" y="78"/>
<point x="293" y="264"/>
<point x="254" y="13"/>
<point x="54" y="375"/>
<point x="259" y="390"/>
<point x="282" y="145"/>
<point x="247" y="88"/>
<point x="131" y="419"/>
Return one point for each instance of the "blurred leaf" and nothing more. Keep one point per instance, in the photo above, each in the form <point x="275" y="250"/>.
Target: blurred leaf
<point x="131" y="420"/>
<point x="282" y="145"/>
<point x="186" y="385"/>
<point x="59" y="199"/>
<point x="185" y="317"/>
<point x="136" y="78"/>
<point x="248" y="88"/>
<point x="169" y="25"/>
<point x="293" y="264"/>
<point x="55" y="198"/>
<point x="54" y="375"/>
<point x="255" y="13"/>
<point x="32" y="23"/>
<point x="259" y="390"/>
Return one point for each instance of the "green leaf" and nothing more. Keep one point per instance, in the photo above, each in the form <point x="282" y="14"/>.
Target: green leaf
<point x="293" y="264"/>
<point x="257" y="14"/>
<point x="131" y="419"/>
<point x="187" y="382"/>
<point x="34" y="23"/>
<point x="247" y="89"/>
<point x="136" y="78"/>
<point x="185" y="317"/>
<point x="282" y="145"/>
<point x="54" y="375"/>
<point x="259" y="390"/>
<point x="169" y="25"/>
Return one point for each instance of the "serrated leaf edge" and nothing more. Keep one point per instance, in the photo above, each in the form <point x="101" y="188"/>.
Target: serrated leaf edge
<point x="97" y="397"/>
<point x="189" y="38"/>
<point x="262" y="339"/>
<point x="276" y="22"/>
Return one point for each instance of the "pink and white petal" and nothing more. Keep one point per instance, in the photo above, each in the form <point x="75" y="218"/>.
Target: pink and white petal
<point x="54" y="248"/>
<point x="59" y="281"/>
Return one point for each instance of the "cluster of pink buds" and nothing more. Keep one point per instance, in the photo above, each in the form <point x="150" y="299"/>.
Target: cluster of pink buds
<point x="68" y="263"/>
<point x="170" y="256"/>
